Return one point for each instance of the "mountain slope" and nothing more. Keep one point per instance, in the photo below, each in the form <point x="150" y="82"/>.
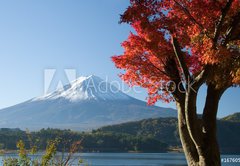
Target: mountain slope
<point x="86" y="103"/>
<point x="233" y="118"/>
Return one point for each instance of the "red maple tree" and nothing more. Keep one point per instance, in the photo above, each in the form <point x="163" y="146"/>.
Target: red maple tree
<point x="175" y="48"/>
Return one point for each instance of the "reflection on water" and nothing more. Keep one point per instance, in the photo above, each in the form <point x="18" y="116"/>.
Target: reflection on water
<point x="136" y="159"/>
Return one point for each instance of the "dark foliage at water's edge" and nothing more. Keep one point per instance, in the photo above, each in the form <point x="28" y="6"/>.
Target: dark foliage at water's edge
<point x="90" y="141"/>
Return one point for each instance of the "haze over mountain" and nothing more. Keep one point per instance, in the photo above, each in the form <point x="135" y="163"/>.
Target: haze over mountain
<point x="86" y="103"/>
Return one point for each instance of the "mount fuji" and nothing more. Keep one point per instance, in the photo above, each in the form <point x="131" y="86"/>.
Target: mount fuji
<point x="84" y="104"/>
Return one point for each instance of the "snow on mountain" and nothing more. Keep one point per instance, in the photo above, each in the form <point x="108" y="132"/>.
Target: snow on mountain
<point x="84" y="104"/>
<point x="86" y="88"/>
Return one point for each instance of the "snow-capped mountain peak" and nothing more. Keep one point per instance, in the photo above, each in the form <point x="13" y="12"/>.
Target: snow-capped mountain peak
<point x="84" y="104"/>
<point x="86" y="88"/>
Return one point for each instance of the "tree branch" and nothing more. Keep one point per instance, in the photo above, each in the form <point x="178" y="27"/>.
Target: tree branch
<point x="201" y="78"/>
<point x="161" y="71"/>
<point x="232" y="28"/>
<point x="180" y="59"/>
<point x="172" y="69"/>
<point x="220" y="22"/>
<point x="186" y="11"/>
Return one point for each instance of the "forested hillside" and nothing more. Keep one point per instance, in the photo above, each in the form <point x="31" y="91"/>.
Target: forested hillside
<point x="150" y="135"/>
<point x="90" y="141"/>
<point x="233" y="118"/>
<point x="165" y="129"/>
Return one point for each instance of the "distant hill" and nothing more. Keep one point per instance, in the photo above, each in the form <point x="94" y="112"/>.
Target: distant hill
<point x="165" y="129"/>
<point x="233" y="118"/>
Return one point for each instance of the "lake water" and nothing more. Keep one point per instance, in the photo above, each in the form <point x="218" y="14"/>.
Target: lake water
<point x="140" y="159"/>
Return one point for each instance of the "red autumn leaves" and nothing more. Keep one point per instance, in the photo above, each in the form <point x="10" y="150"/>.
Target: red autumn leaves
<point x="208" y="33"/>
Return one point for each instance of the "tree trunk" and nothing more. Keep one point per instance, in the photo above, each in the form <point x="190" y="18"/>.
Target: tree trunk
<point x="209" y="125"/>
<point x="198" y="136"/>
<point x="187" y="143"/>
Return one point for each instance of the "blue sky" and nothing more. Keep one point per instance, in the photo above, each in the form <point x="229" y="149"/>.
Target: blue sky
<point x="61" y="34"/>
